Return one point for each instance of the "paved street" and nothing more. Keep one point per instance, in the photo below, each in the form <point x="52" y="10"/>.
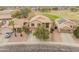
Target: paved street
<point x="38" y="48"/>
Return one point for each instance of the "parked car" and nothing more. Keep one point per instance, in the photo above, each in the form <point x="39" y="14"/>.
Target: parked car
<point x="8" y="34"/>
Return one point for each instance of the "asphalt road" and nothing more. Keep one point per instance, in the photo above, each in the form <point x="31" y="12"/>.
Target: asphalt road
<point x="38" y="48"/>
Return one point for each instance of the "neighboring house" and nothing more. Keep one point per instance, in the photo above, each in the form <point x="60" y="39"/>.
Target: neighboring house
<point x="34" y="22"/>
<point x="40" y="20"/>
<point x="19" y="23"/>
<point x="5" y="15"/>
<point x="65" y="25"/>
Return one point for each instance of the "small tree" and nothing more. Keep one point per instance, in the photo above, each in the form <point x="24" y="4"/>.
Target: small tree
<point x="42" y="33"/>
<point x="21" y="13"/>
<point x="55" y="8"/>
<point x="25" y="12"/>
<point x="11" y="23"/>
<point x="19" y="30"/>
<point x="45" y="9"/>
<point x="26" y="30"/>
<point x="76" y="32"/>
<point x="16" y="14"/>
<point x="2" y="8"/>
<point x="74" y="9"/>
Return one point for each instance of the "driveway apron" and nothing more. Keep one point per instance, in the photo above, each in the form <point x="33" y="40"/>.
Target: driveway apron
<point x="67" y="38"/>
<point x="32" y="38"/>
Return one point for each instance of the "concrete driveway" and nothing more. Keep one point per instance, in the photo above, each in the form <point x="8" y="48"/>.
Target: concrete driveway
<point x="67" y="38"/>
<point x="4" y="30"/>
<point x="32" y="38"/>
<point x="2" y="34"/>
<point x="56" y="36"/>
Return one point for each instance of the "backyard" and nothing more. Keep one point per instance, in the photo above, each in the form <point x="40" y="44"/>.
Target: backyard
<point x="62" y="13"/>
<point x="52" y="17"/>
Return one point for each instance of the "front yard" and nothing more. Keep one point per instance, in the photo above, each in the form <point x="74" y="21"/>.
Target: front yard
<point x="53" y="37"/>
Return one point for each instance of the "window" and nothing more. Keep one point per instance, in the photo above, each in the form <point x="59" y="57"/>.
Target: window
<point x="47" y="25"/>
<point x="32" y="24"/>
<point x="24" y="23"/>
<point x="55" y="27"/>
<point x="71" y="26"/>
<point x="28" y="25"/>
<point x="38" y="24"/>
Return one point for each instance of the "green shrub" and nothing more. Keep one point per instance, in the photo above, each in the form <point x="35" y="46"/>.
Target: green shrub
<point x="26" y="30"/>
<point x="42" y="33"/>
<point x="21" y="13"/>
<point x="19" y="30"/>
<point x="52" y="17"/>
<point x="76" y="32"/>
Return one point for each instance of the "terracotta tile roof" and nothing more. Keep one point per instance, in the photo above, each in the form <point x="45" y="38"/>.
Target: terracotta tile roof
<point x="41" y="18"/>
<point x="5" y="14"/>
<point x="19" y="22"/>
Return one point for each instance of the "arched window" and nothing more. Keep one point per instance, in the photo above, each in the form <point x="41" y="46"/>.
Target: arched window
<point x="32" y="24"/>
<point x="55" y="27"/>
<point x="24" y="23"/>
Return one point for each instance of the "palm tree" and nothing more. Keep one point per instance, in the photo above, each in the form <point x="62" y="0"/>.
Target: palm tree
<point x="11" y="23"/>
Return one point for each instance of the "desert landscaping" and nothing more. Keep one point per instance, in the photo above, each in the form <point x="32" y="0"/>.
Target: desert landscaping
<point x="42" y="25"/>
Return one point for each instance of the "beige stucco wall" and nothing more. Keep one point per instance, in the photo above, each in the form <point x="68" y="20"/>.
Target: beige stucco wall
<point x="36" y="24"/>
<point x="66" y="26"/>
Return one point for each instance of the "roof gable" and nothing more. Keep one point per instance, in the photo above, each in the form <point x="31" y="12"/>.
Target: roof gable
<point x="41" y="18"/>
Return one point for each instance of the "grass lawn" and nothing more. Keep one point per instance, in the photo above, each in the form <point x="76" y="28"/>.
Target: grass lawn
<point x="62" y="13"/>
<point x="67" y="14"/>
<point x="52" y="17"/>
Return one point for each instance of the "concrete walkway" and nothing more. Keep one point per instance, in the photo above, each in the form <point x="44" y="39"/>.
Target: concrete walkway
<point x="67" y="38"/>
<point x="32" y="38"/>
<point x="3" y="39"/>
